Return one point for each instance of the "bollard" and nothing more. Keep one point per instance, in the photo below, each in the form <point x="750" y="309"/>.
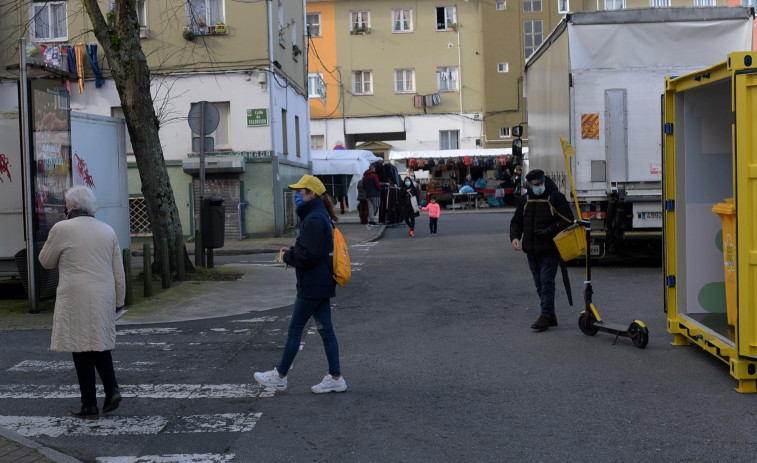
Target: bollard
<point x="199" y="252"/>
<point x="147" y="270"/>
<point x="178" y="253"/>
<point x="165" y="264"/>
<point x="128" y="297"/>
<point x="210" y="258"/>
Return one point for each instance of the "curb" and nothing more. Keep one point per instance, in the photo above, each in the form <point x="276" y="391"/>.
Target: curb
<point x="51" y="454"/>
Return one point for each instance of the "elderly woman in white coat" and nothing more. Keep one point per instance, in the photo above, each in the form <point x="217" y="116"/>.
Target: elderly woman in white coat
<point x="91" y="288"/>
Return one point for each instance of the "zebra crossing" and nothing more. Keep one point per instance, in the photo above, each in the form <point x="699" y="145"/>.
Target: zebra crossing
<point x="222" y="408"/>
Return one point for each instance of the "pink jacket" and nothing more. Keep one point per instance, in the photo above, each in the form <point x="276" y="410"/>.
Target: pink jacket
<point x="433" y="210"/>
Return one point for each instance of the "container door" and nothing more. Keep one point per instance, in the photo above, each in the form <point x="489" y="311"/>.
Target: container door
<point x="745" y="102"/>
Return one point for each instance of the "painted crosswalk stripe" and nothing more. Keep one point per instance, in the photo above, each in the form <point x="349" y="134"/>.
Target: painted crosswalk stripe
<point x="143" y="391"/>
<point x="54" y="426"/>
<point x="36" y="366"/>
<point x="171" y="458"/>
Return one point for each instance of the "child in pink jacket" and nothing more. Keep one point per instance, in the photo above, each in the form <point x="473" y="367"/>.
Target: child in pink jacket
<point x="433" y="214"/>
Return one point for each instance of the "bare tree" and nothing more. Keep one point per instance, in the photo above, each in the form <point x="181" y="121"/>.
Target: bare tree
<point x="119" y="38"/>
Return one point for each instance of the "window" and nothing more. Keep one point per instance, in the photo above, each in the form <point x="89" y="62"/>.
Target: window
<point x="284" y="134"/>
<point x="141" y="15"/>
<point x="531" y="6"/>
<point x="314" y="24"/>
<point x="204" y="12"/>
<point x="447" y="78"/>
<point x="659" y="2"/>
<point x="532" y="36"/>
<point x="49" y="21"/>
<point x="448" y="139"/>
<point x="446" y="18"/>
<point x="563" y="6"/>
<point x="500" y="5"/>
<point x="704" y="2"/>
<point x="404" y="81"/>
<point x="360" y="20"/>
<point x="317" y="142"/>
<point x="297" y="136"/>
<point x="617" y="4"/>
<point x="316" y="86"/>
<point x="221" y="137"/>
<point x="362" y="83"/>
<point x="504" y="132"/>
<point x="503" y="67"/>
<point x="402" y="20"/>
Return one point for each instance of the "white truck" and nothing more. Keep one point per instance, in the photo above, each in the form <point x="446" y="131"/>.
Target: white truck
<point x="598" y="80"/>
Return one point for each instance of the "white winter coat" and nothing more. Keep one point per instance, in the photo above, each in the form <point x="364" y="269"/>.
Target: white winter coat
<point x="91" y="284"/>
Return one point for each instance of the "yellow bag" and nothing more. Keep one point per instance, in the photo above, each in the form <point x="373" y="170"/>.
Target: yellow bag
<point x="341" y="262"/>
<point x="571" y="242"/>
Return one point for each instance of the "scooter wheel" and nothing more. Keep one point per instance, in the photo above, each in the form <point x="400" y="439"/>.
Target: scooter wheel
<point x="639" y="335"/>
<point x="586" y="324"/>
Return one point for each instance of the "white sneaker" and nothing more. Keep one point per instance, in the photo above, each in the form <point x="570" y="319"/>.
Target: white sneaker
<point x="330" y="384"/>
<point x="271" y="379"/>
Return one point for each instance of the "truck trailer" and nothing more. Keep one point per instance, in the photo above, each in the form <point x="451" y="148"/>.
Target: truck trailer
<point x="598" y="80"/>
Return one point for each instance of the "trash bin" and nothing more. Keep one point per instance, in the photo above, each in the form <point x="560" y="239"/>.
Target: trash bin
<point x="213" y="219"/>
<point x="727" y="213"/>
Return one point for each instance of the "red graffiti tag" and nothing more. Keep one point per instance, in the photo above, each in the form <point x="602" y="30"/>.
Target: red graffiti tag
<point x="5" y="168"/>
<point x="83" y="171"/>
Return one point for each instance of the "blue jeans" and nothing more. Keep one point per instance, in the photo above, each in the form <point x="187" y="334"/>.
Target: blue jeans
<point x="320" y="310"/>
<point x="432" y="221"/>
<point x="544" y="269"/>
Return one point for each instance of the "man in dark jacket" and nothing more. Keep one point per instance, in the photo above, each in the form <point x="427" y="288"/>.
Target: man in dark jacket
<point x="372" y="188"/>
<point x="540" y="215"/>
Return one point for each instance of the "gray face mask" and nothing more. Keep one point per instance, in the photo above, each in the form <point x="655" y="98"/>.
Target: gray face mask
<point x="538" y="190"/>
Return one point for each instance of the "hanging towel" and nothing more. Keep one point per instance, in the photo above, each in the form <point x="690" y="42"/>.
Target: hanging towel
<point x="92" y="54"/>
<point x="429" y="100"/>
<point x="80" y="65"/>
<point x="437" y="98"/>
<point x="418" y="101"/>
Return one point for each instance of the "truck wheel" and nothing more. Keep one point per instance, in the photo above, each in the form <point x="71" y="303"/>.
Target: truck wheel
<point x="639" y="335"/>
<point x="586" y="324"/>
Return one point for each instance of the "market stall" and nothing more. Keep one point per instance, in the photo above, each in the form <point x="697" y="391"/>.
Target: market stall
<point x="489" y="171"/>
<point x="351" y="163"/>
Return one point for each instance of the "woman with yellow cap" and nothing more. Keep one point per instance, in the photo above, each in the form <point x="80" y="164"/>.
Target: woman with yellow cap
<point x="312" y="260"/>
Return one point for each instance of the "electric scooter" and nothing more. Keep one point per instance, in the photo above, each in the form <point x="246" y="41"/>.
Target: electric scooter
<point x="591" y="323"/>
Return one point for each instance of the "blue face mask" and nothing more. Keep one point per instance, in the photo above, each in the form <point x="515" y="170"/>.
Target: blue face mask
<point x="408" y="183"/>
<point x="538" y="190"/>
<point x="298" y="199"/>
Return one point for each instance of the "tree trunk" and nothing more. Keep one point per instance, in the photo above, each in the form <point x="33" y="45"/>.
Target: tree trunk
<point x="128" y="67"/>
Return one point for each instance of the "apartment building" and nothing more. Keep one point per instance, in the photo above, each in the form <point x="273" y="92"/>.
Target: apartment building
<point x="422" y="75"/>
<point x="246" y="58"/>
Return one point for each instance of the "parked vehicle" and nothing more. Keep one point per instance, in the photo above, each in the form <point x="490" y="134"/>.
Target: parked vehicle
<point x="597" y="80"/>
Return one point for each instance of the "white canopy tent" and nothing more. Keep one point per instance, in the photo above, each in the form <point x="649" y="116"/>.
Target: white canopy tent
<point x="435" y="154"/>
<point x="344" y="162"/>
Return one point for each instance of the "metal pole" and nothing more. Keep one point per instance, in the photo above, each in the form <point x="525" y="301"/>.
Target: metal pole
<point x="23" y="107"/>
<point x="202" y="183"/>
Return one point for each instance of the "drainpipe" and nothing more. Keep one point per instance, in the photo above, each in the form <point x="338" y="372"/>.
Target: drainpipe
<point x="278" y="200"/>
<point x="241" y="222"/>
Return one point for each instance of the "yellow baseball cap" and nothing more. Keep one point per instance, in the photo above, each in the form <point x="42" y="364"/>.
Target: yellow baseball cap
<point x="311" y="183"/>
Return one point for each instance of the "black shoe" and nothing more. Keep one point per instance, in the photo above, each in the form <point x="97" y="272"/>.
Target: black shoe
<point x="553" y="320"/>
<point x="87" y="413"/>
<point x="541" y="324"/>
<point x="111" y="403"/>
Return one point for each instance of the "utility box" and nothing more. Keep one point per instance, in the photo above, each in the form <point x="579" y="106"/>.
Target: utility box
<point x="213" y="220"/>
<point x="710" y="150"/>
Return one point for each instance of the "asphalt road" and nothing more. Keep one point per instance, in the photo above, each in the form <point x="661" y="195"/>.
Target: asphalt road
<point x="440" y="364"/>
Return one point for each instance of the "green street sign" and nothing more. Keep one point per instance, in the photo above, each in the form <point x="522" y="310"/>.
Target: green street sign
<point x="257" y="117"/>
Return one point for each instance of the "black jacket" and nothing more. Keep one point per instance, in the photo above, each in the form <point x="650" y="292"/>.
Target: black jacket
<point x="310" y="254"/>
<point x="537" y="220"/>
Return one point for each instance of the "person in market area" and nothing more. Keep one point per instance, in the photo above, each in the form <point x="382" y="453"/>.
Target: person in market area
<point x="539" y="216"/>
<point x="362" y="202"/>
<point x="91" y="289"/>
<point x="311" y="257"/>
<point x="372" y="188"/>
<point x="408" y="210"/>
<point x="434" y="211"/>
